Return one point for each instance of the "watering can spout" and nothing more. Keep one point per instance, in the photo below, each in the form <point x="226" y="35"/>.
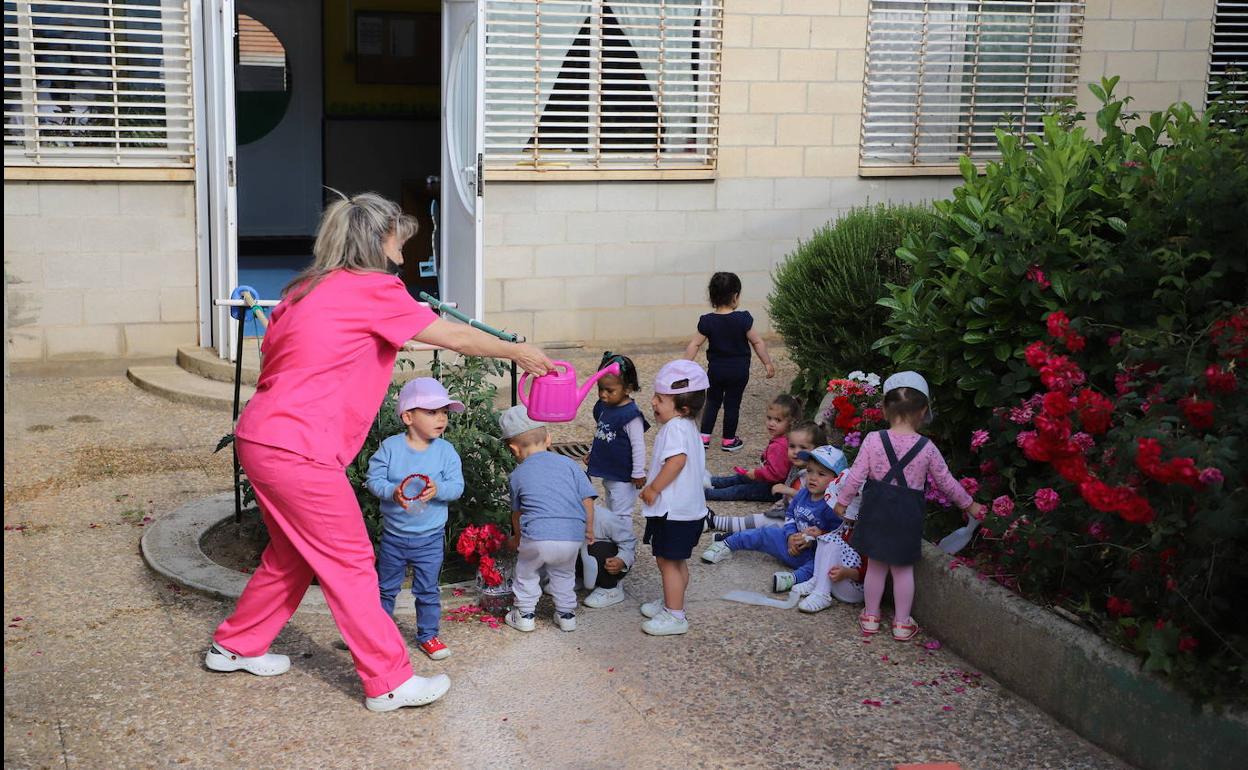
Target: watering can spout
<point x="583" y="391"/>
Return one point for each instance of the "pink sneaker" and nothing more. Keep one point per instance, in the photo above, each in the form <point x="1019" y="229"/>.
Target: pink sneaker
<point x="706" y="440"/>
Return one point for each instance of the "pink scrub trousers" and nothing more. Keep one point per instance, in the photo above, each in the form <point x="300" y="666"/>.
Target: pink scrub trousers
<point x="315" y="528"/>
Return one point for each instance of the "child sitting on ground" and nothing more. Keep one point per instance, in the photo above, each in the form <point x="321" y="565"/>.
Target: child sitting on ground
<point x="672" y="499"/>
<point x="552" y="514"/>
<point x="838" y="567"/>
<point x="807" y="518"/>
<point x="804" y="437"/>
<point x="618" y="458"/>
<point x="414" y="530"/>
<point x="757" y="483"/>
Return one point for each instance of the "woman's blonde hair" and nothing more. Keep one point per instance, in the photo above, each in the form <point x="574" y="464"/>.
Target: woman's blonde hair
<point x="350" y="238"/>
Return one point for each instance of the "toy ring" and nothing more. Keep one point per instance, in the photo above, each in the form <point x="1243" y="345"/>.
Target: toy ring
<point x="406" y="499"/>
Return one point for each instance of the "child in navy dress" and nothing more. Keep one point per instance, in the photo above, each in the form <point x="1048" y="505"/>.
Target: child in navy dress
<point x="728" y="334"/>
<point x="891" y="469"/>
<point x="617" y="458"/>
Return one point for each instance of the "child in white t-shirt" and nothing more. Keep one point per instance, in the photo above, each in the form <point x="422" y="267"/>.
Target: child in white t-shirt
<point x="672" y="500"/>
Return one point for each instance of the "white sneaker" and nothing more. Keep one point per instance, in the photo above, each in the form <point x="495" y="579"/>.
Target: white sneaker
<point x="665" y="624"/>
<point x="804" y="588"/>
<point x="417" y="691"/>
<point x="268" y="664"/>
<point x="716" y="552"/>
<point x="782" y="581"/>
<point x="815" y="603"/>
<point x="520" y="622"/>
<point x="566" y="620"/>
<point x="604" y="597"/>
<point x="650" y="609"/>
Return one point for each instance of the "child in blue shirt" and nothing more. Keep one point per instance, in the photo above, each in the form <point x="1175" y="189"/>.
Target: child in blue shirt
<point x="618" y="458"/>
<point x="807" y="517"/>
<point x="414" y="513"/>
<point x="552" y="515"/>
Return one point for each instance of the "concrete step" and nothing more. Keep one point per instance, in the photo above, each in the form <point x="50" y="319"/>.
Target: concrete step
<point x="177" y="384"/>
<point x="205" y="363"/>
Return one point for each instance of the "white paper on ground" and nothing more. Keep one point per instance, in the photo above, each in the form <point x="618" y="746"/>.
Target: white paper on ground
<point x="749" y="597"/>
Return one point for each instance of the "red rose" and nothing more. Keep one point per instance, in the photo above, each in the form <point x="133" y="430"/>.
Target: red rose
<point x="1219" y="381"/>
<point x="1199" y="414"/>
<point x="1060" y="373"/>
<point x="1188" y="644"/>
<point x="1136" y="510"/>
<point x="1036" y="450"/>
<point x="987" y="468"/>
<point x="1074" y="469"/>
<point x="1058" y="324"/>
<point x="1095" y="411"/>
<point x="1053" y="430"/>
<point x="1075" y="342"/>
<point x="1037" y="354"/>
<point x="1117" y="607"/>
<point x="1057" y="404"/>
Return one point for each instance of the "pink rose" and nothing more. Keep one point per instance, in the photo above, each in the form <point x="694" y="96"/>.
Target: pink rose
<point x="978" y="439"/>
<point x="1083" y="440"/>
<point x="1210" y="476"/>
<point x="1047" y="499"/>
<point x="970" y="485"/>
<point x="1003" y="506"/>
<point x="1021" y="415"/>
<point x="1023" y="437"/>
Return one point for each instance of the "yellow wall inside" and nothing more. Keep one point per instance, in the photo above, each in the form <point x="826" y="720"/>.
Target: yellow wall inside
<point x="343" y="96"/>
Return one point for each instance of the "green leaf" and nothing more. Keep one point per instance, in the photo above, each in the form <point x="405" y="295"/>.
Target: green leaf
<point x="1003" y="351"/>
<point x="1117" y="224"/>
<point x="967" y="168"/>
<point x="968" y="224"/>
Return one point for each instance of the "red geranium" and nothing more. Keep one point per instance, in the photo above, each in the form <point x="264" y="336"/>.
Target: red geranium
<point x="1037" y="354"/>
<point x="475" y="544"/>
<point x="1219" y="380"/>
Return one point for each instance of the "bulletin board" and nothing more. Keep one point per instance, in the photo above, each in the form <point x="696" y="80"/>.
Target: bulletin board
<point x="383" y="80"/>
<point x="398" y="48"/>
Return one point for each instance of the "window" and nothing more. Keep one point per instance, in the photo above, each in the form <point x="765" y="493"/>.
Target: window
<point x="941" y="76"/>
<point x="97" y="84"/>
<point x="1228" y="60"/>
<point x="590" y="85"/>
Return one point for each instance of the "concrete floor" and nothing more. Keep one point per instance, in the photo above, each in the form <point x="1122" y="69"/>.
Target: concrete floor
<point x="103" y="660"/>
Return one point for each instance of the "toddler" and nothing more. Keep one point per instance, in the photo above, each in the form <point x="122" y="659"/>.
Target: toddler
<point x="552" y="514"/>
<point x="414" y="530"/>
<point x="807" y="518"/>
<point x="891" y="469"/>
<point x="804" y="437"/>
<point x="672" y="500"/>
<point x="838" y="567"/>
<point x="618" y="458"/>
<point x="758" y="483"/>
<point x="729" y="335"/>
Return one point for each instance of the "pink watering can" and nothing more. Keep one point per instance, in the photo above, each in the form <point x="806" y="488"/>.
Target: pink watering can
<point x="555" y="397"/>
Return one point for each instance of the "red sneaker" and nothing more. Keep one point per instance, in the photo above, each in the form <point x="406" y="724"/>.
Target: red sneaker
<point x="435" y="649"/>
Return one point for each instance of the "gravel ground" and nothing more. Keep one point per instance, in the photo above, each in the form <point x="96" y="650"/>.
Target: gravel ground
<point x="103" y="663"/>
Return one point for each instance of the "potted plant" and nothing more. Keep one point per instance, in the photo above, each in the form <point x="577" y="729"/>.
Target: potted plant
<point x="477" y="545"/>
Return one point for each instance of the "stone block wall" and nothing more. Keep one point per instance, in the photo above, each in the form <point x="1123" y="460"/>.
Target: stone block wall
<point x="98" y="270"/>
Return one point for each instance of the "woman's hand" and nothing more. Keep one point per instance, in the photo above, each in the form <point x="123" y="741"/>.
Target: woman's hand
<point x="531" y="359"/>
<point x="771" y="370"/>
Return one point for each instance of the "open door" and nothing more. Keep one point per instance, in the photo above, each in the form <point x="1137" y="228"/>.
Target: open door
<point x="220" y="175"/>
<point x="463" y="87"/>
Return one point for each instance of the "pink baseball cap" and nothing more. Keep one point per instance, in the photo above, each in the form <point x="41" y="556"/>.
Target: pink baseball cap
<point x="690" y="376"/>
<point x="425" y="393"/>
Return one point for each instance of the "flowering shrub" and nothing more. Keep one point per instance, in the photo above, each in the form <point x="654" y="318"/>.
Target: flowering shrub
<point x="1127" y="506"/>
<point x="852" y="408"/>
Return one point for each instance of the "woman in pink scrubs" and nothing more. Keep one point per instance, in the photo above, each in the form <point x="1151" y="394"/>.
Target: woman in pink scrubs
<point x="328" y="358"/>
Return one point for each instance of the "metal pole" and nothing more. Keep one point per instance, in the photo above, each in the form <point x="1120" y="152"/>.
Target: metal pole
<point x="454" y="313"/>
<point x="513" y="383"/>
<point x="238" y="384"/>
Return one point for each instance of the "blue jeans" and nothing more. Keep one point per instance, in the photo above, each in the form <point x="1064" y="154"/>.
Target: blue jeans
<point x="736" y="487"/>
<point x="424" y="554"/>
<point x="775" y="541"/>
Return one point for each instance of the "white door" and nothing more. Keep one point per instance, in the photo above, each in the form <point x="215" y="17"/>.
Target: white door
<point x="219" y="176"/>
<point x="463" y="86"/>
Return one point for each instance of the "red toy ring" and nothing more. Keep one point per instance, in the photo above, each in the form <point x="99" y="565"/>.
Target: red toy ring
<point x="404" y="499"/>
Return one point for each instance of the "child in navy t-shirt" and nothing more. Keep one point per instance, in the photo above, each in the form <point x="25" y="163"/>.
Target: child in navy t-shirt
<point x="728" y="334"/>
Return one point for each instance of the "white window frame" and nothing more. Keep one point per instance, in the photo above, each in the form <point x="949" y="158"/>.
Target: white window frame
<point x="936" y="68"/>
<point x="1228" y="48"/>
<point x="125" y="107"/>
<point x="677" y="46"/>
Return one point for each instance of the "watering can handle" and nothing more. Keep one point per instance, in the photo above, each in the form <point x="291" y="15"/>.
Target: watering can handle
<point x="520" y="390"/>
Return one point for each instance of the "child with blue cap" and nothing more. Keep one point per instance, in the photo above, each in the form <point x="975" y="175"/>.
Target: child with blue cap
<point x="807" y="518"/>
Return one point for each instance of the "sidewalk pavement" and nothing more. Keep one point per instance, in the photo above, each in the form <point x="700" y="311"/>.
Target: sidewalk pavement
<point x="103" y="659"/>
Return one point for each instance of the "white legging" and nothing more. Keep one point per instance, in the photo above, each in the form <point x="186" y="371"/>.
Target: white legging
<point x="835" y="552"/>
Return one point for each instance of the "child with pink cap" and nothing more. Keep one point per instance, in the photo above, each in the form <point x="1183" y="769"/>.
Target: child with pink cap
<point x="416" y="474"/>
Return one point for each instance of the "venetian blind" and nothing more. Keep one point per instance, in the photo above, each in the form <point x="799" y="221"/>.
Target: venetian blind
<point x="588" y="84"/>
<point x="941" y="76"/>
<point x="1229" y="55"/>
<point x="97" y="84"/>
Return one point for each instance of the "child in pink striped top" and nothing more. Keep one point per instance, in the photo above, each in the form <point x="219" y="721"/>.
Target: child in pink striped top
<point x="895" y="464"/>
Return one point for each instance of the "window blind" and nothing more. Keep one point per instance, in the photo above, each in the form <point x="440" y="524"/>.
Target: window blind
<point x="1229" y="55"/>
<point x="588" y="84"/>
<point x="98" y="84"/>
<point x="941" y="76"/>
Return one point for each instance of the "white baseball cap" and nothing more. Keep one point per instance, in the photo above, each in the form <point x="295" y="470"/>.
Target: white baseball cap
<point x="907" y="380"/>
<point x="691" y="376"/>
<point x="516" y="420"/>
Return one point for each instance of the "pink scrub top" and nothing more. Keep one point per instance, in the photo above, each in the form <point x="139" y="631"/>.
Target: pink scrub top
<point x="328" y="359"/>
